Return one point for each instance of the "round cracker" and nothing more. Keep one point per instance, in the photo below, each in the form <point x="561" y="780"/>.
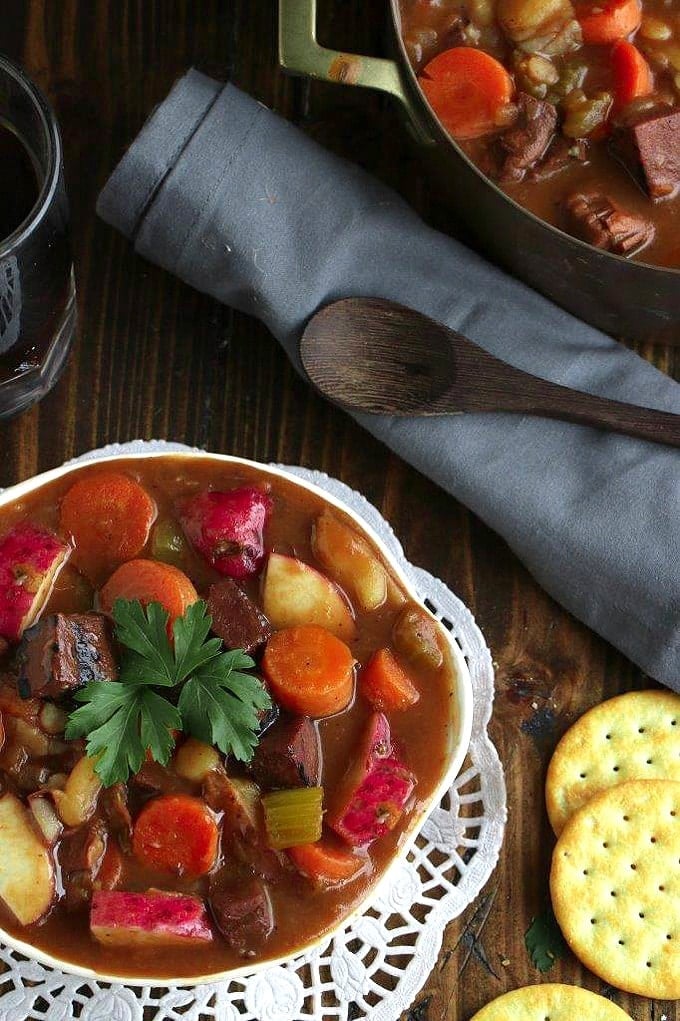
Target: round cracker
<point x="630" y="737"/>
<point x="558" y="1002"/>
<point x="615" y="886"/>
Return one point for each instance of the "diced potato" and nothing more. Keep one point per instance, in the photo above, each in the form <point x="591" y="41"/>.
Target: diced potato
<point x="30" y="560"/>
<point x="155" y="918"/>
<point x="35" y="741"/>
<point x="77" y="802"/>
<point x="26" y="867"/>
<point x="48" y="821"/>
<point x="194" y="759"/>
<point x="52" y="718"/>
<point x="349" y="559"/>
<point x="295" y="593"/>
<point x="521" y="19"/>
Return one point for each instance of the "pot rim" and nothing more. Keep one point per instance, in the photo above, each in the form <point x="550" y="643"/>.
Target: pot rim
<point x="443" y="137"/>
<point x="459" y="739"/>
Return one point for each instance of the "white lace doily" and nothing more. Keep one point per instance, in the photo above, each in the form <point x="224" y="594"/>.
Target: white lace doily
<point x="378" y="963"/>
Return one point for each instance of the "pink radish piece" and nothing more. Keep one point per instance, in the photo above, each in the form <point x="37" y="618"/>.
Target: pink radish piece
<point x="226" y="529"/>
<point x="153" y="918"/>
<point x="374" y="791"/>
<point x="30" y="559"/>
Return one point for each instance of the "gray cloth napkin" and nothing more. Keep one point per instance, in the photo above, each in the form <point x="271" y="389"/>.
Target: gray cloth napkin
<point x="240" y="204"/>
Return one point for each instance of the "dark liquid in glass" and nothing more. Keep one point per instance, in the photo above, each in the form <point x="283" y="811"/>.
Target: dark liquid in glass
<point x="35" y="275"/>
<point x="18" y="182"/>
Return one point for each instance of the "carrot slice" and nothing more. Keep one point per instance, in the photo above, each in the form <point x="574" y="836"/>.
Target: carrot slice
<point x="632" y="74"/>
<point x="468" y="90"/>
<point x="176" y="833"/>
<point x="326" y="865"/>
<point x="109" y="517"/>
<point x="385" y="685"/>
<point x="151" y="582"/>
<point x="310" y="671"/>
<point x="603" y="23"/>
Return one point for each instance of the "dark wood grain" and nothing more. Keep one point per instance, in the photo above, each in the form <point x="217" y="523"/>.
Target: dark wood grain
<point x="373" y="355"/>
<point x="155" y="359"/>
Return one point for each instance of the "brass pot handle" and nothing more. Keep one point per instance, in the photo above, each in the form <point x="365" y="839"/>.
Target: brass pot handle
<point x="301" y="54"/>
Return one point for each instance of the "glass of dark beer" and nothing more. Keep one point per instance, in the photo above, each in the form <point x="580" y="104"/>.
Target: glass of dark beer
<point x="37" y="292"/>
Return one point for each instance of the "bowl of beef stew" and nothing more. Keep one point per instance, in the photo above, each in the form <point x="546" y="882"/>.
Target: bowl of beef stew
<point x="225" y="715"/>
<point x="552" y="128"/>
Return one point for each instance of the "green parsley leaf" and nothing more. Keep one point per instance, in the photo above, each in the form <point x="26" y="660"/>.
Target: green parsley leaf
<point x="110" y="719"/>
<point x="218" y="702"/>
<point x="544" y="941"/>
<point x="220" y="705"/>
<point x="146" y="633"/>
<point x="192" y="651"/>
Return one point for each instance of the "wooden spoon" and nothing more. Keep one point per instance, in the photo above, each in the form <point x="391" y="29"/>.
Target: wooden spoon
<point x="373" y="355"/>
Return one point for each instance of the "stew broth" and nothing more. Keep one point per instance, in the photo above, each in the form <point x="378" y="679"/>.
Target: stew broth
<point x="301" y="908"/>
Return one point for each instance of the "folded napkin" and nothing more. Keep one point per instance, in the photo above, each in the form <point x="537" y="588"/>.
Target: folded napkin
<point x="242" y="205"/>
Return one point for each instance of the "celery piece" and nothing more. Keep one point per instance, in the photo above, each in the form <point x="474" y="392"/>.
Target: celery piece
<point x="416" y="636"/>
<point x="293" y="816"/>
<point x="167" y="543"/>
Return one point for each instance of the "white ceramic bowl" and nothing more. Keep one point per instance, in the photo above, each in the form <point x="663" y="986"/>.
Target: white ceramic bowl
<point x="461" y="708"/>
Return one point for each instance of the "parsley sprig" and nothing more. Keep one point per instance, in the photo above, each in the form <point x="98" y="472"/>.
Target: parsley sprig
<point x="218" y="703"/>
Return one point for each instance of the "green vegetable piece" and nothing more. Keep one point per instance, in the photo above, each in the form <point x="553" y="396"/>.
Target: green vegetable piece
<point x="293" y="817"/>
<point x="544" y="941"/>
<point x="168" y="543"/>
<point x="416" y="636"/>
<point x="218" y="703"/>
<point x="584" y="115"/>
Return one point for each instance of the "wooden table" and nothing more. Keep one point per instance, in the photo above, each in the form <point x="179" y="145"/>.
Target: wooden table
<point x="155" y="359"/>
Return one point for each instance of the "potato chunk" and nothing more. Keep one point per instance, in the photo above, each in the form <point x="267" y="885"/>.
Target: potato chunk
<point x="26" y="866"/>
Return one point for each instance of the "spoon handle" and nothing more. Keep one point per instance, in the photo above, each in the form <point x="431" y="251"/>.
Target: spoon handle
<point x="503" y="387"/>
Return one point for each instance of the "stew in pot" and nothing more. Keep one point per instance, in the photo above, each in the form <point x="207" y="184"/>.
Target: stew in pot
<point x="219" y="712"/>
<point x="571" y="106"/>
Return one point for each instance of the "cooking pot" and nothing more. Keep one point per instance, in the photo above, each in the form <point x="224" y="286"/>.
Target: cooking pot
<point x="630" y="300"/>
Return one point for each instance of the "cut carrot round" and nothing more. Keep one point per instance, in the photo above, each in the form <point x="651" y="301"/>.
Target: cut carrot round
<point x="309" y="670"/>
<point x="176" y="833"/>
<point x="150" y="581"/>
<point x="326" y="865"/>
<point x="632" y="74"/>
<point x="607" y="22"/>
<point x="109" y="516"/>
<point x="468" y="90"/>
<point x="386" y="686"/>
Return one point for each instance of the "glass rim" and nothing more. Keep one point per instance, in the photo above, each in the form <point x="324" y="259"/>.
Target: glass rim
<point x="50" y="128"/>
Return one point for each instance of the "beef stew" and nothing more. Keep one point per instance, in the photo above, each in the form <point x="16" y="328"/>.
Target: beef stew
<point x="564" y="105"/>
<point x="190" y="860"/>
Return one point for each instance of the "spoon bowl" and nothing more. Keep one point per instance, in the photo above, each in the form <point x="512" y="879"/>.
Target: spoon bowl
<point x="376" y="356"/>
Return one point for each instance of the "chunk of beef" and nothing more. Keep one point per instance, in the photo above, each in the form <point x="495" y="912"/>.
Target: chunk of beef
<point x="80" y="855"/>
<point x="242" y="911"/>
<point x="66" y="651"/>
<point x="236" y="619"/>
<point x="650" y="150"/>
<point x="528" y="139"/>
<point x="267" y="718"/>
<point x="242" y="825"/>
<point x="561" y="153"/>
<point x="157" y="779"/>
<point x="114" y="803"/>
<point x="595" y="218"/>
<point x="289" y="755"/>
